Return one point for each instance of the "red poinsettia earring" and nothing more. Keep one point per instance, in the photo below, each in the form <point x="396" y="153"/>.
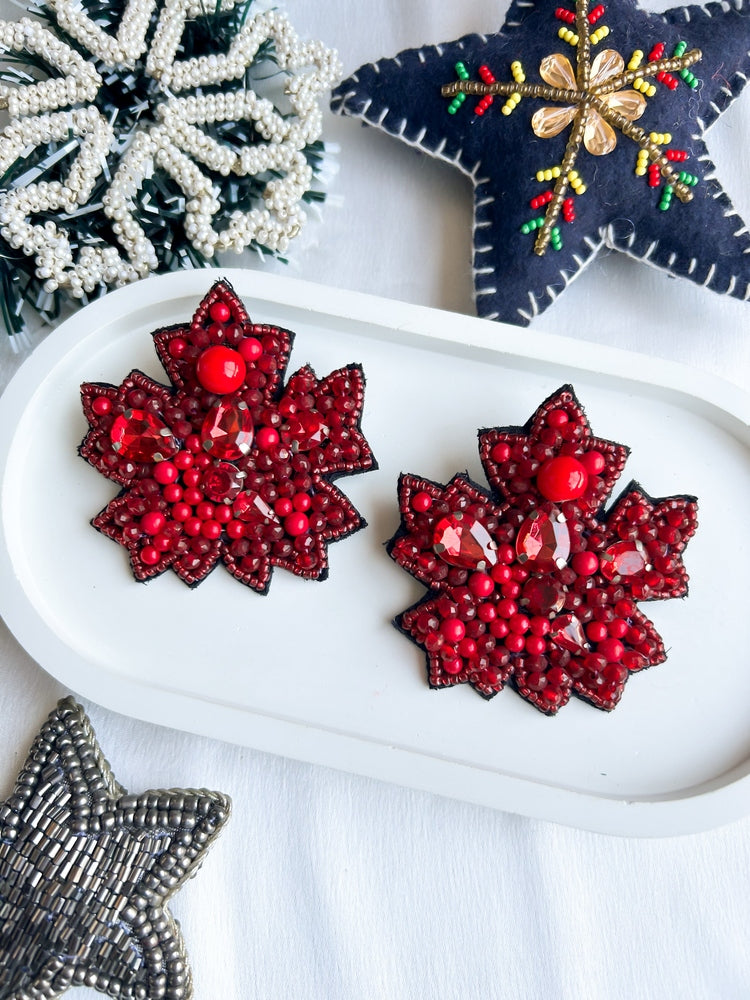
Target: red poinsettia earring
<point x="535" y="584"/>
<point x="229" y="464"/>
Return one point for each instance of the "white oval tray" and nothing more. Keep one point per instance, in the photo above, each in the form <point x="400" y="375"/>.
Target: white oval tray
<point x="315" y="670"/>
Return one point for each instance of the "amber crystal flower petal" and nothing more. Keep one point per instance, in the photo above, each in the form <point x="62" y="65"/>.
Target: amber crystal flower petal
<point x="629" y="103"/>
<point x="599" y="137"/>
<point x="549" y="121"/>
<point x="606" y="64"/>
<point x="557" y="72"/>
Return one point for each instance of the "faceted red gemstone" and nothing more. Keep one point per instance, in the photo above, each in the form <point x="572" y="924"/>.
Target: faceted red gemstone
<point x="626" y="558"/>
<point x="306" y="430"/>
<point x="542" y="595"/>
<point x="227" y="431"/>
<point x="567" y="632"/>
<point x="249" y="506"/>
<point x="543" y="540"/>
<point x="562" y="478"/>
<point x="462" y="540"/>
<point x="141" y="437"/>
<point x="221" y="369"/>
<point x="222" y="482"/>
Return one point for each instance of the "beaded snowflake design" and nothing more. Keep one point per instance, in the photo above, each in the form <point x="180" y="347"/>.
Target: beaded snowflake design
<point x="151" y="145"/>
<point x="535" y="584"/>
<point x="230" y="465"/>
<point x="580" y="126"/>
<point x="87" y="871"/>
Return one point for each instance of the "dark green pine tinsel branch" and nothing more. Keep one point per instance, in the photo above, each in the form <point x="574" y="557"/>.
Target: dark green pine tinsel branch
<point x="128" y="98"/>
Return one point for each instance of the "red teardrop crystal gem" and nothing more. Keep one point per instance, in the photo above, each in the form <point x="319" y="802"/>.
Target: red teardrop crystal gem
<point x="249" y="506"/>
<point x="140" y="436"/>
<point x="542" y="595"/>
<point x="306" y="430"/>
<point x="543" y="540"/>
<point x="221" y="483"/>
<point x="227" y="431"/>
<point x="567" y="632"/>
<point x="462" y="540"/>
<point x="626" y="558"/>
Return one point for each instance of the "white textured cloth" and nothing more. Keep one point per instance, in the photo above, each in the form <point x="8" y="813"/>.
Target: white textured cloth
<point x="327" y="886"/>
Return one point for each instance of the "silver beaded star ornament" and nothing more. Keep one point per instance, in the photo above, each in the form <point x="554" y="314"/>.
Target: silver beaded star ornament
<point x="169" y="90"/>
<point x="86" y="871"/>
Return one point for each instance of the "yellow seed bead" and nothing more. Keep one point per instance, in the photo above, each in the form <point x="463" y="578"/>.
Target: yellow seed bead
<point x="517" y="70"/>
<point x="640" y="171"/>
<point x="572" y="175"/>
<point x="581" y="189"/>
<point x="540" y="175"/>
<point x="568" y="36"/>
<point x="667" y="137"/>
<point x="650" y="90"/>
<point x="596" y="36"/>
<point x="555" y="171"/>
<point x="636" y="59"/>
<point x="506" y="109"/>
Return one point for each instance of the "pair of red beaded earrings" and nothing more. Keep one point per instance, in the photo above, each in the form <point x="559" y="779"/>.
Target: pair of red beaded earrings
<point x="530" y="584"/>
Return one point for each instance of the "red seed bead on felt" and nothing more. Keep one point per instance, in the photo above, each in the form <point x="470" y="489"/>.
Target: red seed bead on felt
<point x="150" y="555"/>
<point x="535" y="645"/>
<point x="421" y="502"/>
<point x="176" y="347"/>
<point x="518" y="623"/>
<point x="101" y="405"/>
<point x="596" y="631"/>
<point x="453" y="665"/>
<point x="467" y="647"/>
<point x="301" y="501"/>
<point x="481" y="584"/>
<point x="514" y="642"/>
<point x="211" y="530"/>
<point x="250" y="348"/>
<point x="267" y="438"/>
<point x="562" y="478"/>
<point x="613" y="649"/>
<point x="593" y="462"/>
<point x="486" y="612"/>
<point x="166" y="472"/>
<point x="221" y="369"/>
<point x="192" y="526"/>
<point x="283" y="507"/>
<point x="556" y="418"/>
<point x="183" y="460"/>
<point x="501" y="574"/>
<point x="585" y="563"/>
<point x="500" y="452"/>
<point x="153" y="522"/>
<point x="219" y="312"/>
<point x="296" y="524"/>
<point x="453" y="629"/>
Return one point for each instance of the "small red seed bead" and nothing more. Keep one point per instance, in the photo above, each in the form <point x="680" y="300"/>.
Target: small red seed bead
<point x="223" y="513"/>
<point x="500" y="452"/>
<point x="585" y="563"/>
<point x="481" y="584"/>
<point x="499" y="628"/>
<point x="211" y="530"/>
<point x="153" y="522"/>
<point x="192" y="496"/>
<point x="612" y="649"/>
<point x="177" y="347"/>
<point x="301" y="501"/>
<point x="150" y="555"/>
<point x="539" y="625"/>
<point x="624" y="609"/>
<point x="192" y="526"/>
<point x="172" y="493"/>
<point x="596" y="631"/>
<point x="101" y="405"/>
<point x="267" y="438"/>
<point x="501" y="573"/>
<point x="250" y="348"/>
<point x="219" y="312"/>
<point x="162" y="542"/>
<point x="486" y="612"/>
<point x="467" y="648"/>
<point x="535" y="645"/>
<point x="593" y="462"/>
<point x="193" y="444"/>
<point x="618" y="628"/>
<point x="235" y="529"/>
<point x="453" y="665"/>
<point x="182" y="511"/>
<point x="296" y="524"/>
<point x="506" y="608"/>
<point x="166" y="472"/>
<point x="518" y="623"/>
<point x="453" y="629"/>
<point x="556" y="418"/>
<point x="204" y="510"/>
<point x="514" y="642"/>
<point x="183" y="460"/>
<point x="505" y="554"/>
<point x="191" y="477"/>
<point x="283" y="507"/>
<point x="421" y="502"/>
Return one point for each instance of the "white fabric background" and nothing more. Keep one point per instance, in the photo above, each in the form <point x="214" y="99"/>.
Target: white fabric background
<point x="326" y="885"/>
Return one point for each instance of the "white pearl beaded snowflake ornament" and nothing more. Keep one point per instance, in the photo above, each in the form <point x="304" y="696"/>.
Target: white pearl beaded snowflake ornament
<point x="233" y="167"/>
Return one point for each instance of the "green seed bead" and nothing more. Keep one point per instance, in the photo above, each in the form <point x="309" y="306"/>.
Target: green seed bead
<point x="456" y="103"/>
<point x="679" y="49"/>
<point x="461" y="71"/>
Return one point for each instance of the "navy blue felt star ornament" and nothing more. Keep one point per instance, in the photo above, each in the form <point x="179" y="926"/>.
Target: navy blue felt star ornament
<point x="580" y="127"/>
